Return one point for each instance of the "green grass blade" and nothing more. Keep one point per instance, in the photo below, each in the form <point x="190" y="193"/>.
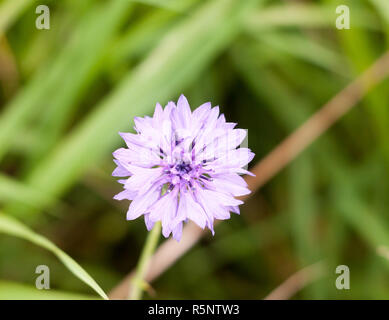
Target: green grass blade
<point x="172" y="5"/>
<point x="18" y="291"/>
<point x="13" y="227"/>
<point x="306" y="16"/>
<point x="370" y="226"/>
<point x="43" y="94"/>
<point x="142" y="35"/>
<point x="13" y="190"/>
<point x="383" y="8"/>
<point x="303" y="217"/>
<point x="10" y="10"/>
<point x="303" y="48"/>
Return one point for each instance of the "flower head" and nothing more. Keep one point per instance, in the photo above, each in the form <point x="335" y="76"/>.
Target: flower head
<point x="182" y="166"/>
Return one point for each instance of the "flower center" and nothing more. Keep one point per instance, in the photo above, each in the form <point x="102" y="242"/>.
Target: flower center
<point x="183" y="168"/>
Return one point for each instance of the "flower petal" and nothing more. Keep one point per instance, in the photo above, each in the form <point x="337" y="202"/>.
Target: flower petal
<point x="230" y="183"/>
<point x="142" y="178"/>
<point x="126" y="194"/>
<point x="149" y="224"/>
<point x="188" y="208"/>
<point x="177" y="232"/>
<point x="165" y="210"/>
<point x="120" y="171"/>
<point x="140" y="205"/>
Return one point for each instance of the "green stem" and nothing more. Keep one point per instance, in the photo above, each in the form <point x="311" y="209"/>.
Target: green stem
<point x="136" y="289"/>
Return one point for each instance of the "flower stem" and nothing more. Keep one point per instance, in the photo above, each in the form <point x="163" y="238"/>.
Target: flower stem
<point x="136" y="290"/>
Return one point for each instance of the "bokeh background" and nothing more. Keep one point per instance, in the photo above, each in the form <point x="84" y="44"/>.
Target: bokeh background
<point x="67" y="91"/>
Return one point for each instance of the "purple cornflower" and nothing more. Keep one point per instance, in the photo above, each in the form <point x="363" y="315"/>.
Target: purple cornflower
<point x="182" y="165"/>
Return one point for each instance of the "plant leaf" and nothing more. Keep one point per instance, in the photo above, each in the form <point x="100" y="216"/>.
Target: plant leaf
<point x="10" y="10"/>
<point x="13" y="227"/>
<point x="14" y="190"/>
<point x="20" y="291"/>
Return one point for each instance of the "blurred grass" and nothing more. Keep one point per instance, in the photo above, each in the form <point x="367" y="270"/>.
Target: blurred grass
<point x="16" y="291"/>
<point x="12" y="227"/>
<point x="269" y="65"/>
